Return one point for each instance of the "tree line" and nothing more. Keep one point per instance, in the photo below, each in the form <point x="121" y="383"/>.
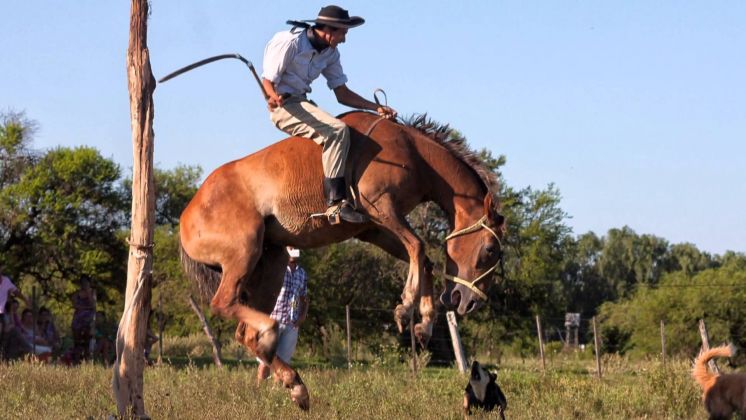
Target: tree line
<point x="64" y="214"/>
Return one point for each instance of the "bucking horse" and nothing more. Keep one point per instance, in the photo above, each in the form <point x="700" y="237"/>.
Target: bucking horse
<point x="234" y="232"/>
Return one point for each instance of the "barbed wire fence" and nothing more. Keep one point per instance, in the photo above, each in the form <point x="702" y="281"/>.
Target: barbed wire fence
<point x="445" y="347"/>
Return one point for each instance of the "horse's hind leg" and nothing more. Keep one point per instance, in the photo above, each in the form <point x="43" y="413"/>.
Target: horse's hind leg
<point x="260" y="291"/>
<point x="238" y="263"/>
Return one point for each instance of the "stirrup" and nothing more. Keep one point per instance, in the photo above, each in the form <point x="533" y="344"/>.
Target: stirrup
<point x="336" y="213"/>
<point x="333" y="214"/>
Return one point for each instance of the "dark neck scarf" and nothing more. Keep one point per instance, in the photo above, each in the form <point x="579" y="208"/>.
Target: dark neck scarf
<point x="317" y="43"/>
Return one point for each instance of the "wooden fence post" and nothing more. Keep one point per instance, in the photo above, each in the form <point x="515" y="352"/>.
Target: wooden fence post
<point x="706" y="344"/>
<point x="414" y="347"/>
<point x="597" y="346"/>
<point x="35" y="316"/>
<point x="541" y="344"/>
<point x="663" y="342"/>
<point x="127" y="382"/>
<point x="458" y="349"/>
<point x="208" y="331"/>
<point x="161" y="322"/>
<point x="349" y="338"/>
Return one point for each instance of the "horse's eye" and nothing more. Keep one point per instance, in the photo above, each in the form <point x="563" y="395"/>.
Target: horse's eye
<point x="490" y="249"/>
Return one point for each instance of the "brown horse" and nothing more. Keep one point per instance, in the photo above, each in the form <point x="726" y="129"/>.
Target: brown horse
<point x="235" y="229"/>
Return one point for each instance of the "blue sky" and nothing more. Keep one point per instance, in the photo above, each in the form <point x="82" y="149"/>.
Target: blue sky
<point x="635" y="110"/>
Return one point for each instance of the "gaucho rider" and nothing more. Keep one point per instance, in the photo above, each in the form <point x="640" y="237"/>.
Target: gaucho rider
<point x="292" y="60"/>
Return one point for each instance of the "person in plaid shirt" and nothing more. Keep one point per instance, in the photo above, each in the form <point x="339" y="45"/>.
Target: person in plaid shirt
<point x="289" y="312"/>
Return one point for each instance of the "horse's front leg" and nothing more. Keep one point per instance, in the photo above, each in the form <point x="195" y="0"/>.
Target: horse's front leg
<point x="424" y="329"/>
<point x="391" y="243"/>
<point x="404" y="311"/>
<point x="397" y="226"/>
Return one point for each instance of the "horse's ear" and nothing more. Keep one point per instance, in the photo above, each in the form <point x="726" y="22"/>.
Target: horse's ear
<point x="488" y="205"/>
<point x="492" y="214"/>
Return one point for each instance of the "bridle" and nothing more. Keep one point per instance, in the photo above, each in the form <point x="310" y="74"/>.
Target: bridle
<point x="479" y="225"/>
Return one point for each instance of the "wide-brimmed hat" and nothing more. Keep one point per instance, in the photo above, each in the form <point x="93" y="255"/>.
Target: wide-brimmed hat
<point x="336" y="17"/>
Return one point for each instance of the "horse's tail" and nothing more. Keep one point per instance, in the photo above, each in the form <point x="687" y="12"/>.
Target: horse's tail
<point x="207" y="278"/>
<point x="700" y="373"/>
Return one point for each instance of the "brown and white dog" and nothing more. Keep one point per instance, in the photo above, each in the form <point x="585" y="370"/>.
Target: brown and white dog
<point x="483" y="392"/>
<point x="723" y="394"/>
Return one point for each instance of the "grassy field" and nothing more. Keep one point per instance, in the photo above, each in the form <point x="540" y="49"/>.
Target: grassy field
<point x="568" y="390"/>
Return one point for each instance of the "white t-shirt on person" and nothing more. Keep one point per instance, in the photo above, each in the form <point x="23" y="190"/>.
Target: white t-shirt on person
<point x="6" y="286"/>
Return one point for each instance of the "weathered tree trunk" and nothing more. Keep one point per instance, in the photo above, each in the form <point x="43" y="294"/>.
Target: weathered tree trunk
<point x="128" y="368"/>
<point x="216" y="356"/>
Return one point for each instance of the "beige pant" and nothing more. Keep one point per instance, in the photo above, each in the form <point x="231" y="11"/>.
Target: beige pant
<point x="299" y="117"/>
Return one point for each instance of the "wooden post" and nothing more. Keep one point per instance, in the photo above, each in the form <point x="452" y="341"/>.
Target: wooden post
<point x="127" y="382"/>
<point x="663" y="342"/>
<point x="35" y="317"/>
<point x="349" y="337"/>
<point x="706" y="344"/>
<point x="208" y="332"/>
<point x="541" y="344"/>
<point x="92" y="329"/>
<point x="597" y="346"/>
<point x="414" y="347"/>
<point x="458" y="350"/>
<point x="161" y="323"/>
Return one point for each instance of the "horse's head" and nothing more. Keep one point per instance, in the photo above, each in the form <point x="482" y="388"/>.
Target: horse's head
<point x="474" y="253"/>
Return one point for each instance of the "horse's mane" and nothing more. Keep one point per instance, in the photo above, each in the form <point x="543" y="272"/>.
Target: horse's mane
<point x="452" y="141"/>
<point x="455" y="143"/>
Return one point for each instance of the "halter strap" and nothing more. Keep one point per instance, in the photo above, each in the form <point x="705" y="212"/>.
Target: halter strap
<point x="479" y="225"/>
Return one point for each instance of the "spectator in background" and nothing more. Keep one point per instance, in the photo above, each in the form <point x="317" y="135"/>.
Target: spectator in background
<point x="47" y="329"/>
<point x="40" y="346"/>
<point x="12" y="342"/>
<point x="290" y="311"/>
<point x="150" y="339"/>
<point x="9" y="291"/>
<point x="11" y="311"/>
<point x="105" y="336"/>
<point x="84" y="303"/>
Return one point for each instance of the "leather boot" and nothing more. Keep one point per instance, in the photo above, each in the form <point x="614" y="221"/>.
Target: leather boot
<point x="335" y="192"/>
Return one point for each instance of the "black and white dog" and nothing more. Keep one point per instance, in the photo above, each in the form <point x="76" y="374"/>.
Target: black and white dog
<point x="483" y="392"/>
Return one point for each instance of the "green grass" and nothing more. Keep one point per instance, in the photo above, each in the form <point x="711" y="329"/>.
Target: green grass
<point x="185" y="390"/>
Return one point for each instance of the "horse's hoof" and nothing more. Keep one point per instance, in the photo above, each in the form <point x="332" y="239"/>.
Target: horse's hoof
<point x="266" y="345"/>
<point x="299" y="395"/>
<point x="422" y="334"/>
<point x="401" y="316"/>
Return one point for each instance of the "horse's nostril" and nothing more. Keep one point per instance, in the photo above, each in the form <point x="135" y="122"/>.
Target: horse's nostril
<point x="470" y="306"/>
<point x="456" y="298"/>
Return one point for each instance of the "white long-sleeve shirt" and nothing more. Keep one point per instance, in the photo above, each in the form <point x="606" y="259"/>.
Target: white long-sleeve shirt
<point x="291" y="63"/>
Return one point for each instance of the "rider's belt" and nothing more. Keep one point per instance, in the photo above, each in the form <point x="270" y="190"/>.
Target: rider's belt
<point x="287" y="95"/>
<point x="300" y="97"/>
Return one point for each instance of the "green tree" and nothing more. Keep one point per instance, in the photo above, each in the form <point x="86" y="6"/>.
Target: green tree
<point x="356" y="274"/>
<point x="174" y="189"/>
<point x="629" y="259"/>
<point x="16" y="136"/>
<point x="689" y="259"/>
<point x="61" y="218"/>
<point x="681" y="300"/>
<point x="585" y="288"/>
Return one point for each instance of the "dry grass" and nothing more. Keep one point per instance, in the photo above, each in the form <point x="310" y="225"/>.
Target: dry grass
<point x="569" y="390"/>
